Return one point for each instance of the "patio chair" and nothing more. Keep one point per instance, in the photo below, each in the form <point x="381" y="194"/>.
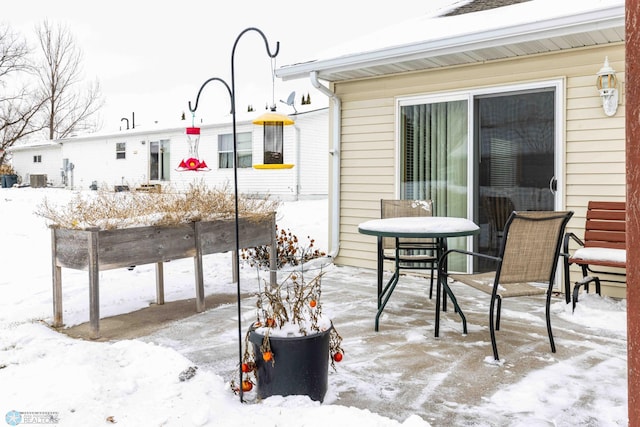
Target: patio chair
<point x="498" y="209"/>
<point x="525" y="266"/>
<point x="413" y="253"/>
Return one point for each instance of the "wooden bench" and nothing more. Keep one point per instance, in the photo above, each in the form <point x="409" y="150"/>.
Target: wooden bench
<point x="604" y="245"/>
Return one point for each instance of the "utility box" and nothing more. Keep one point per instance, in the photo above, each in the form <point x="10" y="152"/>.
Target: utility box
<point x="38" y="181"/>
<point x="8" y="181"/>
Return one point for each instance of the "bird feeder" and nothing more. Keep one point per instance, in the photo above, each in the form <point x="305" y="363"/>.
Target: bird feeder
<point x="193" y="163"/>
<point x="273" y="124"/>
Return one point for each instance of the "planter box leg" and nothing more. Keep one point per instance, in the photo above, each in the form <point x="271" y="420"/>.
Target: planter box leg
<point x="234" y="267"/>
<point x="159" y="283"/>
<point x="273" y="255"/>
<point x="57" y="283"/>
<point x="57" y="296"/>
<point x="94" y="292"/>
<point x="197" y="261"/>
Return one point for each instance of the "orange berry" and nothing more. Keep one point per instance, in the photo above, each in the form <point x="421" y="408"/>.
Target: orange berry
<point x="313" y="303"/>
<point x="267" y="356"/>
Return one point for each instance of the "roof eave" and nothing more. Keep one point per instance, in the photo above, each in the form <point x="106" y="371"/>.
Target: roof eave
<point x="610" y="17"/>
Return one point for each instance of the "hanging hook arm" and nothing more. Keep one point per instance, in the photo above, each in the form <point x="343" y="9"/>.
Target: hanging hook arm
<point x="233" y="54"/>
<point x="266" y="42"/>
<point x="193" y="110"/>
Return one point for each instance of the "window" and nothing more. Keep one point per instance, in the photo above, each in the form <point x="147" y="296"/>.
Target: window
<point x="225" y="150"/>
<point x="37" y="158"/>
<point x="159" y="160"/>
<point x="121" y="150"/>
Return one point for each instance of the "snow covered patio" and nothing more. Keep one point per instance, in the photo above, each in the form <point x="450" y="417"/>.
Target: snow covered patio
<point x="403" y="370"/>
<point x="400" y="375"/>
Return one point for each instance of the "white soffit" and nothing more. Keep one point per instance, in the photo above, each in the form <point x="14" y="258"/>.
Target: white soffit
<point x="587" y="28"/>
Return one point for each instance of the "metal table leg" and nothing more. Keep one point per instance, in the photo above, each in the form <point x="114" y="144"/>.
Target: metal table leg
<point x="442" y="284"/>
<point x="391" y="284"/>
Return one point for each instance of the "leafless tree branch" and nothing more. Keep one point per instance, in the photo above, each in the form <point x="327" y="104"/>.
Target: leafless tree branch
<point x="18" y="105"/>
<point x="68" y="106"/>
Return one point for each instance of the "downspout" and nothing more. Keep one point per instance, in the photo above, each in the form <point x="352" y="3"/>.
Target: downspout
<point x="335" y="153"/>
<point x="296" y="175"/>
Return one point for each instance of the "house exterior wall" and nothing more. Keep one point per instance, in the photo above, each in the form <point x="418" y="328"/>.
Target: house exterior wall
<point x="593" y="143"/>
<point x="50" y="164"/>
<point x="305" y="146"/>
<point x="95" y="161"/>
<point x="312" y="139"/>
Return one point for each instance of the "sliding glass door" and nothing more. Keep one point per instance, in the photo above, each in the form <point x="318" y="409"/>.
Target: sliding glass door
<point x="515" y="160"/>
<point x="480" y="155"/>
<point x="159" y="160"/>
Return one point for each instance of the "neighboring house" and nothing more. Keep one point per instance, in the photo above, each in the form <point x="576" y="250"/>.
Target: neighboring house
<point x="496" y="104"/>
<point x="41" y="160"/>
<point x="143" y="156"/>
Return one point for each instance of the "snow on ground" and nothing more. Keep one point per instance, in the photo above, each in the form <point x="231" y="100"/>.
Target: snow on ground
<point x="135" y="382"/>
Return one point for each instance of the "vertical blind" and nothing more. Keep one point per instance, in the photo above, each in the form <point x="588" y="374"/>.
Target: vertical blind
<point x="434" y="155"/>
<point x="434" y="160"/>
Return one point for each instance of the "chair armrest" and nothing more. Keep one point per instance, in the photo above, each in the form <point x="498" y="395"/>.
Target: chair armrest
<point x="460" y="251"/>
<point x="567" y="238"/>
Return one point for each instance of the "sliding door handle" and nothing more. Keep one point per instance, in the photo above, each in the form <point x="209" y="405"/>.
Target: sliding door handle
<point x="553" y="185"/>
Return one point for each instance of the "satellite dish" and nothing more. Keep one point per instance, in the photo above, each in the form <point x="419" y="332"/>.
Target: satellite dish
<point x="291" y="100"/>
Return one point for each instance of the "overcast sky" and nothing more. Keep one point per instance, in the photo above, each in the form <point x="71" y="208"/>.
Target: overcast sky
<point x="152" y="57"/>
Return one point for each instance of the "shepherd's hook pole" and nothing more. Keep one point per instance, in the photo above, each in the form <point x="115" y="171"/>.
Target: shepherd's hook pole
<point x="232" y="95"/>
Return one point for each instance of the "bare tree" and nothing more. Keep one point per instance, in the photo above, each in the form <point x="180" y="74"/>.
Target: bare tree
<point x="68" y="105"/>
<point x="18" y="104"/>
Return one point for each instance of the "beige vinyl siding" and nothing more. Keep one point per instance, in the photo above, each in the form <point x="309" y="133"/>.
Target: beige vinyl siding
<point x="594" y="144"/>
<point x="595" y="148"/>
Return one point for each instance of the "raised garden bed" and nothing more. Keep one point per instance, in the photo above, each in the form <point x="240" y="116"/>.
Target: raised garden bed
<point x="94" y="250"/>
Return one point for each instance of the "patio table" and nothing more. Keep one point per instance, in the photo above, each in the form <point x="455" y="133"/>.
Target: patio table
<point x="435" y="227"/>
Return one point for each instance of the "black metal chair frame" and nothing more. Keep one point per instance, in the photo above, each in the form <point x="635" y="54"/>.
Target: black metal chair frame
<point x="518" y="288"/>
<point x="408" y="254"/>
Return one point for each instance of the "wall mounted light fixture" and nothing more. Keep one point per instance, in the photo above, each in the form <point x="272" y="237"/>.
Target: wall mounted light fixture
<point x="607" y="84"/>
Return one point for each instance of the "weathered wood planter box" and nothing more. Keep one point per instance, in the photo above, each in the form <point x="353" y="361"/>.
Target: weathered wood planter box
<point x="94" y="250"/>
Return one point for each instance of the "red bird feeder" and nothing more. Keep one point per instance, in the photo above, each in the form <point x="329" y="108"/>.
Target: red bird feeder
<point x="192" y="163"/>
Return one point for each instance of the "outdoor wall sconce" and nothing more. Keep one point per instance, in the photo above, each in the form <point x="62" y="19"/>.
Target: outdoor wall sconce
<point x="193" y="163"/>
<point x="273" y="124"/>
<point x="607" y="84"/>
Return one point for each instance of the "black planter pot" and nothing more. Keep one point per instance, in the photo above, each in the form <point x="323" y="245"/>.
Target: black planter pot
<point x="301" y="365"/>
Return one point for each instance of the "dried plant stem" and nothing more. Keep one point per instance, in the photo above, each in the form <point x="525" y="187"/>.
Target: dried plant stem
<point x="111" y="210"/>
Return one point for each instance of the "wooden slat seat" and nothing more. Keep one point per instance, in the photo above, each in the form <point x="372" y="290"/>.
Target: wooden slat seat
<point x="604" y="245"/>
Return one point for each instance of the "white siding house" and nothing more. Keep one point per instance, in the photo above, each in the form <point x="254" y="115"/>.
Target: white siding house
<point x="44" y="159"/>
<point x="143" y="156"/>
